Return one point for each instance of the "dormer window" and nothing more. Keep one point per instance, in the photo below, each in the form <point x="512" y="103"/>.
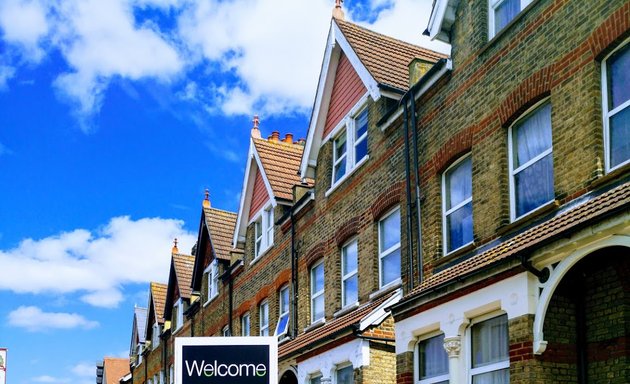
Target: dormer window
<point x="212" y="272"/>
<point x="350" y="146"/>
<point x="155" y="336"/>
<point x="263" y="231"/>
<point x="502" y="12"/>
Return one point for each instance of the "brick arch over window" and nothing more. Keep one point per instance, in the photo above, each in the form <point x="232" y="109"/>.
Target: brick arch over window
<point x="603" y="39"/>
<point x="348" y="229"/>
<point x="390" y="197"/>
<point x="530" y="91"/>
<point x="262" y="294"/>
<point x="316" y="253"/>
<point x="456" y="147"/>
<point x="282" y="279"/>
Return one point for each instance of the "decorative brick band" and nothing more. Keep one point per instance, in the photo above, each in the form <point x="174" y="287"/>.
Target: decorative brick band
<point x="533" y="89"/>
<point x="386" y="200"/>
<point x="282" y="279"/>
<point x="316" y="253"/>
<point x="616" y="27"/>
<point x="348" y="229"/>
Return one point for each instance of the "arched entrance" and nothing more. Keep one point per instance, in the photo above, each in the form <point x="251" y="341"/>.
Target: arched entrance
<point x="288" y="377"/>
<point x="587" y="321"/>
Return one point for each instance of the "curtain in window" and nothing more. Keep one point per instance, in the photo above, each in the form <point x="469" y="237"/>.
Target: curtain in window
<point x="490" y="346"/>
<point x="432" y="358"/>
<point x="504" y="13"/>
<point x="619" y="110"/>
<point x="349" y="272"/>
<point x="315" y="380"/>
<point x="345" y="375"/>
<point x="533" y="178"/>
<point x="389" y="247"/>
<point x="459" y="224"/>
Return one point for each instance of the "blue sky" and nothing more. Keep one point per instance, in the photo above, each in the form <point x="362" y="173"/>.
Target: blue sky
<point x="114" y="117"/>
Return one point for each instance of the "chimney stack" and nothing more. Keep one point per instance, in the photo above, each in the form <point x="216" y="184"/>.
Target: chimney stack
<point x="337" y="12"/>
<point x="255" y="130"/>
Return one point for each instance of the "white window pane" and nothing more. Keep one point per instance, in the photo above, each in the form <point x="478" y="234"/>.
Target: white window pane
<point x="619" y="77"/>
<point x="620" y="136"/>
<point x="432" y="358"/>
<point x="490" y="341"/>
<point x="317" y="278"/>
<point x="390" y="267"/>
<point x="340" y="169"/>
<point x="504" y="13"/>
<point x="459" y="183"/>
<point x="495" y="377"/>
<point x="361" y="150"/>
<point x="350" y="290"/>
<point x="349" y="258"/>
<point x="532" y="136"/>
<point x="390" y="230"/>
<point x="459" y="227"/>
<point x="534" y="185"/>
<point x="318" y="307"/>
<point x="284" y="300"/>
<point x="345" y="375"/>
<point x="361" y="124"/>
<point x="283" y="324"/>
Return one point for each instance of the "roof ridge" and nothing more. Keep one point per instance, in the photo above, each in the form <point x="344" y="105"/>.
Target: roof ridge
<point x="387" y="37"/>
<point x="221" y="210"/>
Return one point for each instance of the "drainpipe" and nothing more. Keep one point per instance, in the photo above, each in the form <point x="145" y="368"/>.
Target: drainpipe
<point x="409" y="208"/>
<point x="231" y="303"/>
<point x="294" y="282"/>
<point x="414" y="130"/>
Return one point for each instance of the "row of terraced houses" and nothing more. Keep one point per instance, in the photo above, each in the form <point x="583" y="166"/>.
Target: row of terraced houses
<point x="459" y="218"/>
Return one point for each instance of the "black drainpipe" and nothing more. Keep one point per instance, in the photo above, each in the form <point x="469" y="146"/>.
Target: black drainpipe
<point x="414" y="130"/>
<point x="231" y="303"/>
<point x="408" y="191"/>
<point x="294" y="282"/>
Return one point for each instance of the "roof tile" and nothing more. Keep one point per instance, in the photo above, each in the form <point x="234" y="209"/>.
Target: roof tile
<point x="184" y="265"/>
<point x="221" y="227"/>
<point x="387" y="59"/>
<point x="158" y="294"/>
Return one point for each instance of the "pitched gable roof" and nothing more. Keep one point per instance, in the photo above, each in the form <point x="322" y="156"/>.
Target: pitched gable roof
<point x="220" y="225"/>
<point x="157" y="292"/>
<point x="386" y="59"/>
<point x="275" y="161"/>
<point x="114" y="369"/>
<point x="183" y="271"/>
<point x="382" y="64"/>
<point x="139" y="324"/>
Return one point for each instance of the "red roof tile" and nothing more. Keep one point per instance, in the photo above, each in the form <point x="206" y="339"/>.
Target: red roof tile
<point x="281" y="163"/>
<point x="114" y="369"/>
<point x="221" y="229"/>
<point x="311" y="338"/>
<point x="158" y="295"/>
<point x="386" y="58"/>
<point x="184" y="265"/>
<point x="606" y="202"/>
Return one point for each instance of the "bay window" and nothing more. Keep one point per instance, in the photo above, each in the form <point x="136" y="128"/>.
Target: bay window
<point x="432" y="361"/>
<point x="490" y="360"/>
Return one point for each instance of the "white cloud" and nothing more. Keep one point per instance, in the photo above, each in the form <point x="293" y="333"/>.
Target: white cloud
<point x="84" y="369"/>
<point x="6" y="73"/>
<point x="35" y="320"/>
<point x="101" y="41"/>
<point x="94" y="264"/>
<point x="24" y="23"/>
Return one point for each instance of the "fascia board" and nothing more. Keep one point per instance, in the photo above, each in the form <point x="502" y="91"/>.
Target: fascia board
<point x="244" y="195"/>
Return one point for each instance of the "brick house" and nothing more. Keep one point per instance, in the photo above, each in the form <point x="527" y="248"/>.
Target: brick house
<point x="138" y="333"/>
<point x="147" y="367"/>
<point x="523" y="172"/>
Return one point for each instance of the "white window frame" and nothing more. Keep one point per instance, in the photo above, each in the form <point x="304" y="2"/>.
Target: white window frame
<point x="263" y="318"/>
<point x="608" y="114"/>
<point x="179" y="312"/>
<point x="446" y="213"/>
<point x="212" y="271"/>
<point x="313" y="376"/>
<point x="225" y="331"/>
<point x="139" y="353"/>
<point x="416" y="369"/>
<point x="492" y="5"/>
<point x="316" y="295"/>
<point x="339" y="367"/>
<point x="263" y="231"/>
<point x="282" y="332"/>
<point x="245" y="325"/>
<point x="382" y="253"/>
<point x="490" y="367"/>
<point x="155" y="336"/>
<point x="348" y="126"/>
<point x="347" y="275"/>
<point x="534" y="160"/>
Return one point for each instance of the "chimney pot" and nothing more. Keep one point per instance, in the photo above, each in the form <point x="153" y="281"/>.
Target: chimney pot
<point x="288" y="138"/>
<point x="275" y="136"/>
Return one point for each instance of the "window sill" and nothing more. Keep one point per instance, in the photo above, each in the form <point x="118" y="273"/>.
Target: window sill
<point x="346" y="309"/>
<point x="462" y="249"/>
<point x="284" y="339"/>
<point x="385" y="289"/>
<point x="346" y="176"/>
<point x="611" y="174"/>
<point x="448" y="258"/>
<point x="543" y="209"/>
<point x="316" y="324"/>
<point x="260" y="256"/>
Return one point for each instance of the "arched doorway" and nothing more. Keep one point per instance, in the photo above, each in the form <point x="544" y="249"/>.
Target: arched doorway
<point x="288" y="377"/>
<point x="587" y="322"/>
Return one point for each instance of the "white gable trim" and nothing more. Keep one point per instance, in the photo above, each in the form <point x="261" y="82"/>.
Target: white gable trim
<point x="336" y="44"/>
<point x="380" y="313"/>
<point x="441" y="20"/>
<point x="242" y="219"/>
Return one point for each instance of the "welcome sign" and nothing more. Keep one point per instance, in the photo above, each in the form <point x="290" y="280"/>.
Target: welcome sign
<point x="226" y="360"/>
